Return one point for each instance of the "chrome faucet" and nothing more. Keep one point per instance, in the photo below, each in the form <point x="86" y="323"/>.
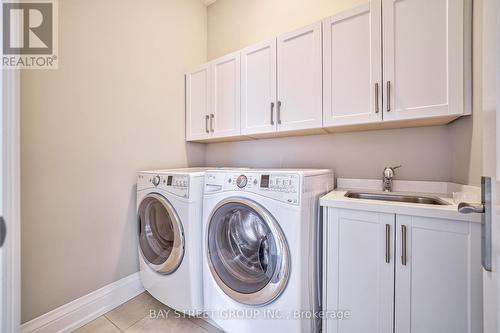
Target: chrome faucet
<point x="388" y="176"/>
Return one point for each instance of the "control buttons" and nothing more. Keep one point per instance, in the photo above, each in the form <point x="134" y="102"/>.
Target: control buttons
<point x="180" y="182"/>
<point x="241" y="181"/>
<point x="156" y="180"/>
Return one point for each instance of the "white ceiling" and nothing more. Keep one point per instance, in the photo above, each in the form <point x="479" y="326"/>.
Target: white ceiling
<point x="208" y="2"/>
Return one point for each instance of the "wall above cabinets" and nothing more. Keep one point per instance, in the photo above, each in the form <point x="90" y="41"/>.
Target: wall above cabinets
<point x="362" y="69"/>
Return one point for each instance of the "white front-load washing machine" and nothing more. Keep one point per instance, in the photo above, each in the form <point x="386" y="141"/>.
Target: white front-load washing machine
<point x="262" y="264"/>
<point x="169" y="210"/>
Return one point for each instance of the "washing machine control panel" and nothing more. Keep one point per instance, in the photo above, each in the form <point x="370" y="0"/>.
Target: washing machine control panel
<point x="175" y="184"/>
<point x="280" y="186"/>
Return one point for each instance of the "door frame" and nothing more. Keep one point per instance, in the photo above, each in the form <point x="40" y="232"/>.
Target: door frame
<point x="11" y="251"/>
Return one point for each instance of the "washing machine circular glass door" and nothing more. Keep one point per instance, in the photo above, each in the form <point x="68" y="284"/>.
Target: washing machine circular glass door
<point x="161" y="236"/>
<point x="247" y="252"/>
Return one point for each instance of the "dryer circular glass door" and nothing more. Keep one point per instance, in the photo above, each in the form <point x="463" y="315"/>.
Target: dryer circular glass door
<point x="247" y="252"/>
<point x="161" y="237"/>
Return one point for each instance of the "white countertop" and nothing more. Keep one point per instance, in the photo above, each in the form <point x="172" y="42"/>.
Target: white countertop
<point x="337" y="199"/>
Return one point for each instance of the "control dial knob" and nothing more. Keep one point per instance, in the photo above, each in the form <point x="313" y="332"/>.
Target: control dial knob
<point x="156" y="181"/>
<point x="241" y="181"/>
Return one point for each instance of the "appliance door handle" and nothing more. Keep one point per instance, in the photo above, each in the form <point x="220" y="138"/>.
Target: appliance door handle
<point x="387" y="243"/>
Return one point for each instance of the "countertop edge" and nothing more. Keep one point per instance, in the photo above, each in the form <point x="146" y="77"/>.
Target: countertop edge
<point x="336" y="199"/>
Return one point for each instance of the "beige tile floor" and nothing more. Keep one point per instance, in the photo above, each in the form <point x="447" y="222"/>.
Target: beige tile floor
<point x="134" y="317"/>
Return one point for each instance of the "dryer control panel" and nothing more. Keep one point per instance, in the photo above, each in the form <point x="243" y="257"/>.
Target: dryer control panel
<point x="284" y="187"/>
<point x="172" y="183"/>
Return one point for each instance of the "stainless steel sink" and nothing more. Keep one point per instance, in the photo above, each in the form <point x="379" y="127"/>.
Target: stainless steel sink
<point x="416" y="199"/>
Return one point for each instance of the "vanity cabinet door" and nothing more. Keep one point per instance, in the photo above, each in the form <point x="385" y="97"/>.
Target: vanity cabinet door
<point x="359" y="270"/>
<point x="438" y="276"/>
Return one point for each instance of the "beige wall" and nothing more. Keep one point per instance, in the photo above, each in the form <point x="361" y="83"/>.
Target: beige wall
<point x="115" y="106"/>
<point x="446" y="153"/>
<point x="234" y="24"/>
<point x="355" y="155"/>
<point x="467" y="133"/>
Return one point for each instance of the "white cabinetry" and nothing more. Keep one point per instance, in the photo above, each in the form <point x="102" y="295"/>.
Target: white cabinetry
<point x="383" y="64"/>
<point x="426" y="58"/>
<point x="438" y="276"/>
<point x="425" y="52"/>
<point x="258" y="88"/>
<point x="213" y="99"/>
<point x="422" y="274"/>
<point x="198" y="103"/>
<point x="225" y="111"/>
<point x="352" y="66"/>
<point x="359" y="270"/>
<point x="300" y="79"/>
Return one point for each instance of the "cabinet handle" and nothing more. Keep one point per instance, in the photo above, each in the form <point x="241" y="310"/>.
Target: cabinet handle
<point x="3" y="231"/>
<point x="212" y="116"/>
<point x="206" y="123"/>
<point x="279" y="112"/>
<point x="403" y="245"/>
<point x="272" y="113"/>
<point x="376" y="98"/>
<point x="387" y="243"/>
<point x="388" y="96"/>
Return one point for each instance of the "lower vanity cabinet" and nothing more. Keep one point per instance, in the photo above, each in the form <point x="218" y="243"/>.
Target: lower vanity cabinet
<point x="398" y="273"/>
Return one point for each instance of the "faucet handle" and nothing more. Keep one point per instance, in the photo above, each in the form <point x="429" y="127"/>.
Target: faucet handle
<point x="389" y="171"/>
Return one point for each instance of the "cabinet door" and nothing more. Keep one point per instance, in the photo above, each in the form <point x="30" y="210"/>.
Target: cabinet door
<point x="438" y="276"/>
<point x="359" y="270"/>
<point x="352" y="66"/>
<point x="258" y="88"/>
<point x="423" y="58"/>
<point x="225" y="116"/>
<point x="300" y="79"/>
<point x="198" y="103"/>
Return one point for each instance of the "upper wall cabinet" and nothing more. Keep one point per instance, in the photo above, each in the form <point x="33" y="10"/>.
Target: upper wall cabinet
<point x="352" y="66"/>
<point x="300" y="79"/>
<point x="198" y="103"/>
<point x="384" y="64"/>
<point x="225" y="109"/>
<point x="258" y="88"/>
<point x="426" y="58"/>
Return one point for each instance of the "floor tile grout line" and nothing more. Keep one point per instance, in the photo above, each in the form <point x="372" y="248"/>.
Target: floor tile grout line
<point x="112" y="323"/>
<point x="195" y="322"/>
<point x="135" y="322"/>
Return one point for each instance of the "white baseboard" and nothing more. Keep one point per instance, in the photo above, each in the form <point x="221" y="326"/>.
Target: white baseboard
<point x="79" y="312"/>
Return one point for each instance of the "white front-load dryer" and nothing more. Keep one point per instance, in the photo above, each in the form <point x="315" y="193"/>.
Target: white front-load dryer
<point x="169" y="210"/>
<point x="262" y="264"/>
